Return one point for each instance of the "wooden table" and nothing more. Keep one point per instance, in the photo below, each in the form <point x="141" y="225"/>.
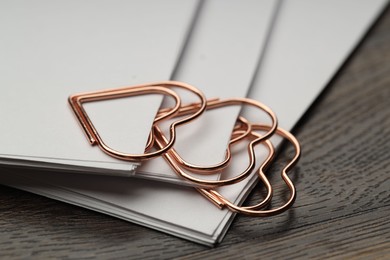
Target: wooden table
<point x="343" y="181"/>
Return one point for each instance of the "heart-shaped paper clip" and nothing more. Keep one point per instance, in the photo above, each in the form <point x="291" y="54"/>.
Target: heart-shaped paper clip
<point x="210" y="169"/>
<point x="219" y="200"/>
<point x="194" y="113"/>
<point x="77" y="100"/>
<point x="176" y="162"/>
<point x="238" y="131"/>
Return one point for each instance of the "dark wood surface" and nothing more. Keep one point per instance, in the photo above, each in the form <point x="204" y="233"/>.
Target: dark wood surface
<point x="343" y="181"/>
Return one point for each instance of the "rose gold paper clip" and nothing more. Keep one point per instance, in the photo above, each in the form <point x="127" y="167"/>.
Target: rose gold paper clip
<point x="255" y="210"/>
<point x="171" y="156"/>
<point x="164" y="88"/>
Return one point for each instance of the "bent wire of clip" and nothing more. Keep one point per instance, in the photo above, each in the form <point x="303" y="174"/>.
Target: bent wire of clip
<point x="164" y="146"/>
<point x="76" y="101"/>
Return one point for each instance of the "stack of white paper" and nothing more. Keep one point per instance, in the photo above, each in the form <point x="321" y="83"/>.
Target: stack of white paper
<point x="50" y="50"/>
<point x="304" y="50"/>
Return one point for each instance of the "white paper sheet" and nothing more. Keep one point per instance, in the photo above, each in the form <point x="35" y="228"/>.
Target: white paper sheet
<point x="51" y="49"/>
<point x="221" y="60"/>
<point x="181" y="211"/>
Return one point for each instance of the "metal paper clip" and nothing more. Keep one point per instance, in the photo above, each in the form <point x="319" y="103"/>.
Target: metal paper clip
<point x="260" y="172"/>
<point x="201" y="169"/>
<point x="219" y="200"/>
<point x="77" y="100"/>
<point x="177" y="163"/>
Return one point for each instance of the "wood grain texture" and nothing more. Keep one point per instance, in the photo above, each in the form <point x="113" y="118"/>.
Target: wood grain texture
<point x="343" y="182"/>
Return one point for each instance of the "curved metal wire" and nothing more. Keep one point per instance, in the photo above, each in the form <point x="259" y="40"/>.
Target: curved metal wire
<point x="77" y="100"/>
<point x="222" y="202"/>
<point x="214" y="104"/>
<point x="161" y="142"/>
<point x="260" y="172"/>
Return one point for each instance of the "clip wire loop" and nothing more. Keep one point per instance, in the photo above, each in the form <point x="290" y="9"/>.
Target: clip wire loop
<point x="190" y="108"/>
<point x="177" y="163"/>
<point x="264" y="165"/>
<point x="219" y="200"/>
<point x="196" y="112"/>
<point x="93" y="136"/>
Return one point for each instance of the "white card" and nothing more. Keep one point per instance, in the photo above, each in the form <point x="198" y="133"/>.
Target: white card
<point x="51" y="49"/>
